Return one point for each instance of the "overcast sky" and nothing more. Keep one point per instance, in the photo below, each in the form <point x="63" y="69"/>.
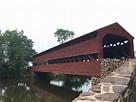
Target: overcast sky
<point x="41" y="18"/>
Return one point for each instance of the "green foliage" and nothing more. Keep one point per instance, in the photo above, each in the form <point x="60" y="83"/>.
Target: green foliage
<point x="63" y="35"/>
<point x="16" y="51"/>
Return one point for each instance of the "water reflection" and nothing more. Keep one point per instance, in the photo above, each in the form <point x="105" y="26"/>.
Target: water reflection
<point x="52" y="93"/>
<point x="77" y="83"/>
<point x="15" y="91"/>
<point x="63" y="89"/>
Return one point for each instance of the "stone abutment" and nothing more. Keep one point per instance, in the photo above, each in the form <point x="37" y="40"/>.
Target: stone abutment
<point x="117" y="83"/>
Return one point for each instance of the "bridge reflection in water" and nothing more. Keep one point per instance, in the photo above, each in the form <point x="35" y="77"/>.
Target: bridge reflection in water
<point x="63" y="89"/>
<point x="41" y="90"/>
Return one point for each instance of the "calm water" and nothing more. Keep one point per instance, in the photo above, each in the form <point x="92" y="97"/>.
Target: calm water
<point x="30" y="90"/>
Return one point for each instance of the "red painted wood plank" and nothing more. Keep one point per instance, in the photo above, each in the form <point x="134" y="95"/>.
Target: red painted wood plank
<point x="114" y="29"/>
<point x="91" y="68"/>
<point x="87" y="47"/>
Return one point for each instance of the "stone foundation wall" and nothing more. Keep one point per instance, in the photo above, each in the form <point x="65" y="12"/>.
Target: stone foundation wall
<point x="129" y="94"/>
<point x="118" y="86"/>
<point x="107" y="66"/>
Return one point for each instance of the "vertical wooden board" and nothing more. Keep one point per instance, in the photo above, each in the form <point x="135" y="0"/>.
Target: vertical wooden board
<point x="91" y="68"/>
<point x="87" y="47"/>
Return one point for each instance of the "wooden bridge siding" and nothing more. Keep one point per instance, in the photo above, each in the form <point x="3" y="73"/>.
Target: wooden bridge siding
<point x="114" y="29"/>
<point x="87" y="47"/>
<point x="132" y="49"/>
<point x="91" y="68"/>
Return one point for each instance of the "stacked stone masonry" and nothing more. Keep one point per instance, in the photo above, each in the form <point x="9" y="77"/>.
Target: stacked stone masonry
<point x="118" y="86"/>
<point x="107" y="66"/>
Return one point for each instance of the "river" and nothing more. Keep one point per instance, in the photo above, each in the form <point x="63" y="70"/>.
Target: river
<point x="63" y="89"/>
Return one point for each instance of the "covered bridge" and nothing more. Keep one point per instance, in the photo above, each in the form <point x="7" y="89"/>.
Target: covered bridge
<point x="81" y="56"/>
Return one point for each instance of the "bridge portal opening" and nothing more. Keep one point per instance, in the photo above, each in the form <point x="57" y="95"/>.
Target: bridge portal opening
<point x="116" y="46"/>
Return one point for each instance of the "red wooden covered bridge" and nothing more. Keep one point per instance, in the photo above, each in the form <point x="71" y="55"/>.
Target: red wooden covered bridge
<point x="81" y="56"/>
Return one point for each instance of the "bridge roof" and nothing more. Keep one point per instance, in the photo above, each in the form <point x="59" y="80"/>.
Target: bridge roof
<point x="69" y="43"/>
<point x="110" y="29"/>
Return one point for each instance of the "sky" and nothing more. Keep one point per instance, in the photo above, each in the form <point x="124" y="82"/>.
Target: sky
<point x="41" y="18"/>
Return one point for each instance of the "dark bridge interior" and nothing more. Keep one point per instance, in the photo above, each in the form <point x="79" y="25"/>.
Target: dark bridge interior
<point x="115" y="46"/>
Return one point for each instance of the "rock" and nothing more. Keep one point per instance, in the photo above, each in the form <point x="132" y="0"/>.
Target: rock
<point x="112" y="97"/>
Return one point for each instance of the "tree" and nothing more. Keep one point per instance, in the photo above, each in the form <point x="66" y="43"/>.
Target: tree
<point x="16" y="51"/>
<point x="63" y="35"/>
